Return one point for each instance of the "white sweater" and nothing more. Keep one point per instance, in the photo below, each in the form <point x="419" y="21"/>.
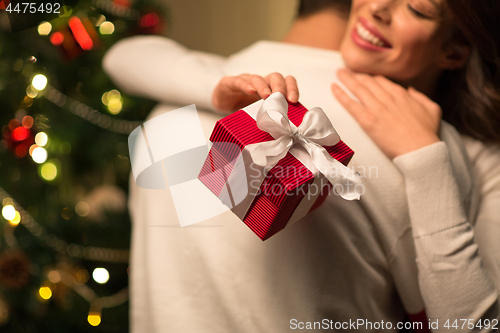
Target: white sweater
<point x="345" y="261"/>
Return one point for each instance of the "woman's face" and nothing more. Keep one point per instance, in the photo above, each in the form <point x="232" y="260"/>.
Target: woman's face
<point x="400" y="39"/>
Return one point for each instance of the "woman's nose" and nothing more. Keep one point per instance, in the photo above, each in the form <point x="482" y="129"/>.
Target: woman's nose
<point x="381" y="10"/>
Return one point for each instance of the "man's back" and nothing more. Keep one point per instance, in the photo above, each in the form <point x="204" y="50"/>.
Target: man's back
<point x="346" y="260"/>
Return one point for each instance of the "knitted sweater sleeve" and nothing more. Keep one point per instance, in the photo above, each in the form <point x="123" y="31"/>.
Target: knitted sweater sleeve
<point x="163" y="70"/>
<point x="453" y="280"/>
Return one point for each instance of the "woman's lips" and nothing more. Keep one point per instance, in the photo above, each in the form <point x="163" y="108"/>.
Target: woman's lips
<point x="367" y="37"/>
<point x="368" y="26"/>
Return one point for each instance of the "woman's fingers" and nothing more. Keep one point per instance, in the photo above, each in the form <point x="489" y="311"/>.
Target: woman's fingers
<point x="354" y="108"/>
<point x="359" y="89"/>
<point x="379" y="91"/>
<point x="261" y="86"/>
<point x="277" y="83"/>
<point x="240" y="84"/>
<point x="431" y="106"/>
<point x="250" y="85"/>
<point x="399" y="93"/>
<point x="403" y="122"/>
<point x="292" y="89"/>
<point x="233" y="92"/>
<point x="287" y="86"/>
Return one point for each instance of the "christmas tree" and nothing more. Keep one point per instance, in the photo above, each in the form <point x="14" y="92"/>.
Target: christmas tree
<point x="64" y="164"/>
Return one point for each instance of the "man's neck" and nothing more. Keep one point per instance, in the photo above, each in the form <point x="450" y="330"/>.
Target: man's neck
<point x="322" y="30"/>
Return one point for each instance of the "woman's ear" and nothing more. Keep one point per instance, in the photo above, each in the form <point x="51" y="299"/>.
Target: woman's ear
<point x="454" y="56"/>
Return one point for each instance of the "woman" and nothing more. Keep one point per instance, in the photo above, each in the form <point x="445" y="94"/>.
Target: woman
<point x="416" y="51"/>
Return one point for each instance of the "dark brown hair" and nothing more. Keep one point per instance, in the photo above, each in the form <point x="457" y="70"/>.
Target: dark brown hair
<point x="308" y="7"/>
<point x="475" y="89"/>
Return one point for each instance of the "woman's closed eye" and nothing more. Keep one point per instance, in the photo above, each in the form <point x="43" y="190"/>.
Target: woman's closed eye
<point x="424" y="9"/>
<point x="418" y="13"/>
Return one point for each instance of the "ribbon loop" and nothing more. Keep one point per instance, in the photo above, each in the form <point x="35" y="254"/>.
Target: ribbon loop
<point x="314" y="132"/>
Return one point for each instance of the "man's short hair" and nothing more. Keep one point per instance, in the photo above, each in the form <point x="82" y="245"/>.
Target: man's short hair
<point x="309" y="7"/>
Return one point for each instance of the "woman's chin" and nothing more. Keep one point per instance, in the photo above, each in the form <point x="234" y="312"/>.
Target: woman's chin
<point x="360" y="67"/>
<point x="357" y="62"/>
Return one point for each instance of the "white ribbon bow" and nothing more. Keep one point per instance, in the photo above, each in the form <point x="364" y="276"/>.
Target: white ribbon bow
<point x="314" y="132"/>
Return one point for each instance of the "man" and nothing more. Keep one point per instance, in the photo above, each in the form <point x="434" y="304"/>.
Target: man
<point x="347" y="261"/>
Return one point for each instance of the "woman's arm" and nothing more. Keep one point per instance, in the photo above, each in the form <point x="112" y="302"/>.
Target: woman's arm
<point x="404" y="124"/>
<point x="452" y="278"/>
<point x="485" y="161"/>
<point x="161" y="69"/>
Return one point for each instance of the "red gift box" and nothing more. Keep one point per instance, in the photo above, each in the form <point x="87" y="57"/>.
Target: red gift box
<point x="285" y="186"/>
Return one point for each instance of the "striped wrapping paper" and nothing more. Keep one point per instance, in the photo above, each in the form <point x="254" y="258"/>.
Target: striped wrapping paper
<point x="271" y="209"/>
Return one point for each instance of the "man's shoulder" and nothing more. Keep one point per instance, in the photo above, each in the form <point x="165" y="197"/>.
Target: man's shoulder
<point x="265" y="50"/>
<point x="265" y="57"/>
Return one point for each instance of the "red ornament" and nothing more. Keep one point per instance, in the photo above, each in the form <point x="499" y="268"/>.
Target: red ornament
<point x="150" y="20"/>
<point x="80" y="33"/>
<point x="20" y="133"/>
<point x="123" y="3"/>
<point x="57" y="38"/>
<point x="19" y="136"/>
<point x="151" y="24"/>
<point x="75" y="38"/>
<point x="4" y="4"/>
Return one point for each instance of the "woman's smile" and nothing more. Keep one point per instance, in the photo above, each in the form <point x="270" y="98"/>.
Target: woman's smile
<point x="368" y="37"/>
<point x="393" y="39"/>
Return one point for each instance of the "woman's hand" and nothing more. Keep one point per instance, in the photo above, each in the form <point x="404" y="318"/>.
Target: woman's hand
<point x="234" y="92"/>
<point x="398" y="120"/>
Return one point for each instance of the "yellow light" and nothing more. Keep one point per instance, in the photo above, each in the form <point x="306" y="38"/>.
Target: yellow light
<point x="45" y="292"/>
<point x="31" y="92"/>
<point x="113" y="100"/>
<point x="39" y="82"/>
<point x="9" y="212"/>
<point x="48" y="171"/>
<point x="108" y="96"/>
<point x="82" y="208"/>
<point x="104" y="98"/>
<point x="106" y="28"/>
<point x="41" y="139"/>
<point x="114" y="93"/>
<point x="44" y="28"/>
<point x="115" y="105"/>
<point x="94" y="318"/>
<point x="15" y="221"/>
<point x="100" y="275"/>
<point x="39" y="155"/>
